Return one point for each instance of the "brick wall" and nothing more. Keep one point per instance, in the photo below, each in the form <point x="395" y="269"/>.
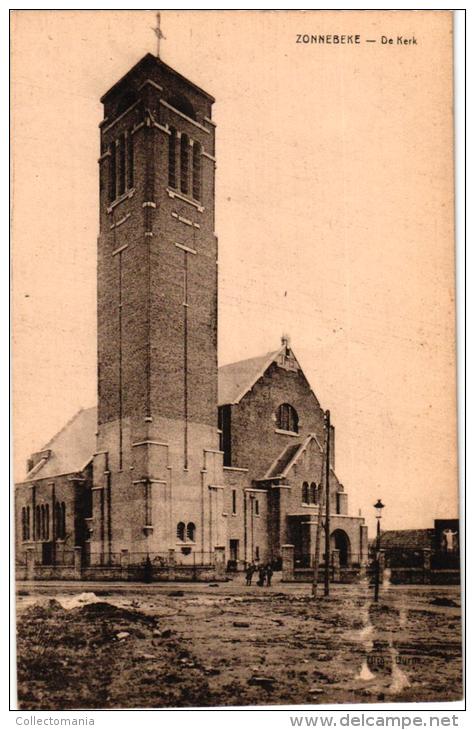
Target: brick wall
<point x="147" y="276"/>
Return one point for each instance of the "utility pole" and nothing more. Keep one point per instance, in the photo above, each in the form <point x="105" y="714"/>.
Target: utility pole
<point x="251" y="497"/>
<point x="316" y="559"/>
<point x="327" y="504"/>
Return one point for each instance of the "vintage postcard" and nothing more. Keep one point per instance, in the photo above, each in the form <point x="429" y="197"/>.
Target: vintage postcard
<point x="234" y="359"/>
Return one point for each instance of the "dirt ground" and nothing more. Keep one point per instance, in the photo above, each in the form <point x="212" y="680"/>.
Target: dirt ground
<point x="228" y="645"/>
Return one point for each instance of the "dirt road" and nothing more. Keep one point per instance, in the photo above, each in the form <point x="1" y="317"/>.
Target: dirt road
<point x="225" y="645"/>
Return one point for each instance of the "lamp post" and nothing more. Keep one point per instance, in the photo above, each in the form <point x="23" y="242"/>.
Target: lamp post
<point x="379" y="509"/>
<point x="252" y="497"/>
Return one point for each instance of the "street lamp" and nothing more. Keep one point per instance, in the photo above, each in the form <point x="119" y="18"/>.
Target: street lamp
<point x="252" y="497"/>
<point x="379" y="510"/>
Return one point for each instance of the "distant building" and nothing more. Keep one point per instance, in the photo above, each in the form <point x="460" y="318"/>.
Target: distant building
<point x="429" y="555"/>
<point x="442" y="538"/>
<point x="178" y="454"/>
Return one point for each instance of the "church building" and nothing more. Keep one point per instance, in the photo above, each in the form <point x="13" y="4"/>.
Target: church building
<point x="179" y="454"/>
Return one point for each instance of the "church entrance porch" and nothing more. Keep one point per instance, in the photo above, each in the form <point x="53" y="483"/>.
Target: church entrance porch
<point x="339" y="541"/>
<point x="300" y="536"/>
<point x="345" y="565"/>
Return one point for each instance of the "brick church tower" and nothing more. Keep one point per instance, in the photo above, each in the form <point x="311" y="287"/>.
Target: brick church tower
<point x="157" y="464"/>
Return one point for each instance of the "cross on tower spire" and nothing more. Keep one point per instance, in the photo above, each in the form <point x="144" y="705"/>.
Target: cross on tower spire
<point x="158" y="33"/>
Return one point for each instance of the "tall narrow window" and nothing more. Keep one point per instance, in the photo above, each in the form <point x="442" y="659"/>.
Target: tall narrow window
<point x="60" y="519"/>
<point x="23" y="522"/>
<point x="313" y="493"/>
<point x="130" y="159"/>
<point x="180" y="531"/>
<point x="257" y="506"/>
<point x="197" y="171"/>
<point x="42" y="523"/>
<point x="57" y="519"/>
<point x="28" y="523"/>
<point x="184" y="163"/>
<point x="224" y="426"/>
<point x="122" y="158"/>
<point x="47" y="522"/>
<point x="233" y="498"/>
<point x="63" y="520"/>
<point x="305" y="493"/>
<point x="37" y="522"/>
<point x="112" y="172"/>
<point x="190" y="531"/>
<point x="172" y="158"/>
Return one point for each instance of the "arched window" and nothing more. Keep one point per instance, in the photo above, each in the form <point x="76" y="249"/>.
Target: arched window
<point x="197" y="171"/>
<point x="180" y="531"/>
<point x="183" y="105"/>
<point x="319" y="493"/>
<point x="47" y="522"/>
<point x="313" y="493"/>
<point x="27" y="524"/>
<point x="172" y="158"/>
<point x="184" y="163"/>
<point x="190" y="531"/>
<point x="287" y="418"/>
<point x="305" y="494"/>
<point x="23" y="523"/>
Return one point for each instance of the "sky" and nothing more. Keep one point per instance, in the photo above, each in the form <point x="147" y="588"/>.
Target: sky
<point x="334" y="212"/>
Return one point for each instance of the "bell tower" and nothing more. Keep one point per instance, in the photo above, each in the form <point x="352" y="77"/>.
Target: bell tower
<point x="157" y="311"/>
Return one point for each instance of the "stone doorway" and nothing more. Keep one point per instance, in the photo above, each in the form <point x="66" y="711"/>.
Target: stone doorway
<point x="341" y="542"/>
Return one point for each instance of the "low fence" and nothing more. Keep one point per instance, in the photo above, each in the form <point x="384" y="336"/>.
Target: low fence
<point x="348" y="560"/>
<point x="125" y="566"/>
<point x="408" y="565"/>
<point x="299" y="567"/>
<point x="404" y="565"/>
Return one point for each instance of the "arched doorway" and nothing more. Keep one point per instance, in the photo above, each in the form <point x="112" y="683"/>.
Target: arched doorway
<point x="341" y="542"/>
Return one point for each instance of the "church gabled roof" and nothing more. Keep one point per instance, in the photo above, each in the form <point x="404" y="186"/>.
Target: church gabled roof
<point x="70" y="450"/>
<point x="235" y="379"/>
<point x="73" y="447"/>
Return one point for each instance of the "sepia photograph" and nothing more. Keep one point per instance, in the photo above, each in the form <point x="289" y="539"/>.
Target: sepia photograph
<point x="234" y="408"/>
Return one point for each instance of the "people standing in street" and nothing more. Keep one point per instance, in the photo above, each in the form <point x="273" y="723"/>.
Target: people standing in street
<point x="249" y="574"/>
<point x="269" y="574"/>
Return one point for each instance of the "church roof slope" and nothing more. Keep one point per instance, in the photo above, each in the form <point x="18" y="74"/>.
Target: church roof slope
<point x="235" y="379"/>
<point x="150" y="60"/>
<point x="71" y="448"/>
<point x="291" y="453"/>
<point x="283" y="460"/>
